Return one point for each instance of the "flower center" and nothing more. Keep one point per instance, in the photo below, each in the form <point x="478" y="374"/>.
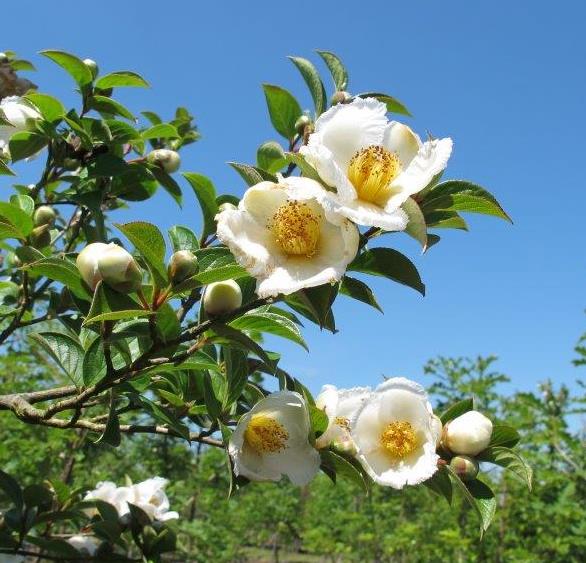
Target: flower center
<point x="342" y="422"/>
<point x="265" y="435"/>
<point x="399" y="439"/>
<point x="371" y="170"/>
<point x="296" y="229"/>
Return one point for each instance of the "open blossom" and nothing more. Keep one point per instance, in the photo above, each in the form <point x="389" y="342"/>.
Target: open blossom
<point x="340" y="405"/>
<point x="282" y="235"/>
<point x="148" y="495"/>
<point x="373" y="163"/>
<point x="396" y="433"/>
<point x="16" y="111"/>
<point x="272" y="440"/>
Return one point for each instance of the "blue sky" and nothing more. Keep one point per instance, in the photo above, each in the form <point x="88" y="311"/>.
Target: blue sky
<point x="504" y="79"/>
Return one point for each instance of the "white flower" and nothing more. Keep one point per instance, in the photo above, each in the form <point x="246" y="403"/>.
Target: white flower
<point x="85" y="544"/>
<point x="16" y="111"/>
<point x="87" y="263"/>
<point x="148" y="495"/>
<point x="373" y="163"/>
<point x="468" y="434"/>
<point x="340" y="405"/>
<point x="396" y="433"/>
<point x="281" y="234"/>
<point x="272" y="440"/>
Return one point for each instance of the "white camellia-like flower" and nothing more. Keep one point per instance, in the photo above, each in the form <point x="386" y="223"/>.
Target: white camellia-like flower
<point x="84" y="544"/>
<point x="272" y="440"/>
<point x="87" y="263"/>
<point x="395" y="433"/>
<point x="468" y="434"/>
<point x="148" y="495"/>
<point x="340" y="405"/>
<point x="16" y="111"/>
<point x="283" y="236"/>
<point x="373" y="163"/>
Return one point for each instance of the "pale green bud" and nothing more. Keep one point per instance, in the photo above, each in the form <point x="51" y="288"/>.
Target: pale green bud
<point x="119" y="269"/>
<point x="168" y="160"/>
<point x="340" y="97"/>
<point x="468" y="434"/>
<point x="465" y="467"/>
<point x="87" y="263"/>
<point x="222" y="297"/>
<point x="44" y="215"/>
<point x="182" y="265"/>
<point x="302" y="122"/>
<point x="71" y="163"/>
<point x="41" y="236"/>
<point x="92" y="65"/>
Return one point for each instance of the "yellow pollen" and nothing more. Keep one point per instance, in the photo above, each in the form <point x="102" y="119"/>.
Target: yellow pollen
<point x="371" y="170"/>
<point x="265" y="435"/>
<point x="399" y="439"/>
<point x="296" y="229"/>
<point x="342" y="422"/>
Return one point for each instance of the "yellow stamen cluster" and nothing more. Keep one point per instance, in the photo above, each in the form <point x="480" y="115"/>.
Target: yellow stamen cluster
<point x="342" y="422"/>
<point x="399" y="439"/>
<point x="371" y="170"/>
<point x="265" y="435"/>
<point x="296" y="229"/>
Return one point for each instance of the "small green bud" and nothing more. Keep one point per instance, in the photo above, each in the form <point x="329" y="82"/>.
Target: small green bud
<point x="182" y="265"/>
<point x="119" y="269"/>
<point x="92" y="65"/>
<point x="87" y="263"/>
<point x="222" y="297"/>
<point x="168" y="160"/>
<point x="340" y="97"/>
<point x="226" y="206"/>
<point x="41" y="237"/>
<point x="44" y="215"/>
<point x="71" y="164"/>
<point x="465" y="467"/>
<point x="302" y="122"/>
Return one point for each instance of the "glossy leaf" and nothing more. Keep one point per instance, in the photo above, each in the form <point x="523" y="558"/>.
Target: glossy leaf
<point x="67" y="353"/>
<point x="271" y="323"/>
<point x="510" y="460"/>
<point x="206" y="195"/>
<point x="284" y="110"/>
<point x="457" y="409"/>
<point x="416" y="226"/>
<point x="393" y="105"/>
<point x="313" y="81"/>
<point x="183" y="238"/>
<point x="505" y="436"/>
<point x="271" y="157"/>
<point x="74" y="66"/>
<point x="24" y="144"/>
<point x="121" y="78"/>
<point x="336" y="68"/>
<point x="61" y="270"/>
<point x="358" y="290"/>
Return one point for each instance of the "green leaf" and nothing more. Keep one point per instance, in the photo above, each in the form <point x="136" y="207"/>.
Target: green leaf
<point x="231" y="271"/>
<point x="21" y="64"/>
<point x="111" y="434"/>
<point x="445" y="220"/>
<point x="213" y="405"/>
<point x="252" y="175"/>
<point x="61" y="270"/>
<point x="461" y="195"/>
<point x="104" y="104"/>
<point x="306" y="169"/>
<point x="509" y="459"/>
<point x="271" y="157"/>
<point x="49" y="107"/>
<point x="314" y="83"/>
<point x="161" y="131"/>
<point x="24" y="202"/>
<point x="109" y="305"/>
<point x="457" y="409"/>
<point x="390" y="264"/>
<point x="4" y="170"/>
<point x="441" y="484"/>
<point x="153" y="118"/>
<point x="149" y="241"/>
<point x="67" y="353"/>
<point x="165" y="416"/>
<point x="284" y="110"/>
<point x="339" y="465"/>
<point x="393" y="105"/>
<point x="9" y="231"/>
<point x="206" y="195"/>
<point x="236" y="373"/>
<point x="505" y="436"/>
<point x="315" y="304"/>
<point x="169" y="184"/>
<point x="94" y="363"/>
<point x="416" y="226"/>
<point x="20" y="219"/>
<point x="121" y="78"/>
<point x="272" y="323"/>
<point x="74" y="66"/>
<point x="319" y="420"/>
<point x="24" y="144"/>
<point x="183" y="238"/>
<point x="37" y="495"/>
<point x="357" y="289"/>
<point x="11" y="489"/>
<point x="336" y="68"/>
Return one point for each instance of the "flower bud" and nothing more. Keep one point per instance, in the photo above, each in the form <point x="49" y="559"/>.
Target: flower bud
<point x="340" y="97"/>
<point x="44" y="215"/>
<point x="168" y="160"/>
<point x="301" y="123"/>
<point x="468" y="434"/>
<point x="71" y="164"/>
<point x="41" y="236"/>
<point x="225" y="206"/>
<point x="92" y="65"/>
<point x="222" y="297"/>
<point x="119" y="269"/>
<point x="87" y="263"/>
<point x="465" y="467"/>
<point x="183" y="265"/>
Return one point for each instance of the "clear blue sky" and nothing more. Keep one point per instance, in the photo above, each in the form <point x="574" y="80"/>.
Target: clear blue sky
<point x="504" y="79"/>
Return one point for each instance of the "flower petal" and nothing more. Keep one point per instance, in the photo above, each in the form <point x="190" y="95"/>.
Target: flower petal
<point x="400" y="139"/>
<point x="368" y="214"/>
